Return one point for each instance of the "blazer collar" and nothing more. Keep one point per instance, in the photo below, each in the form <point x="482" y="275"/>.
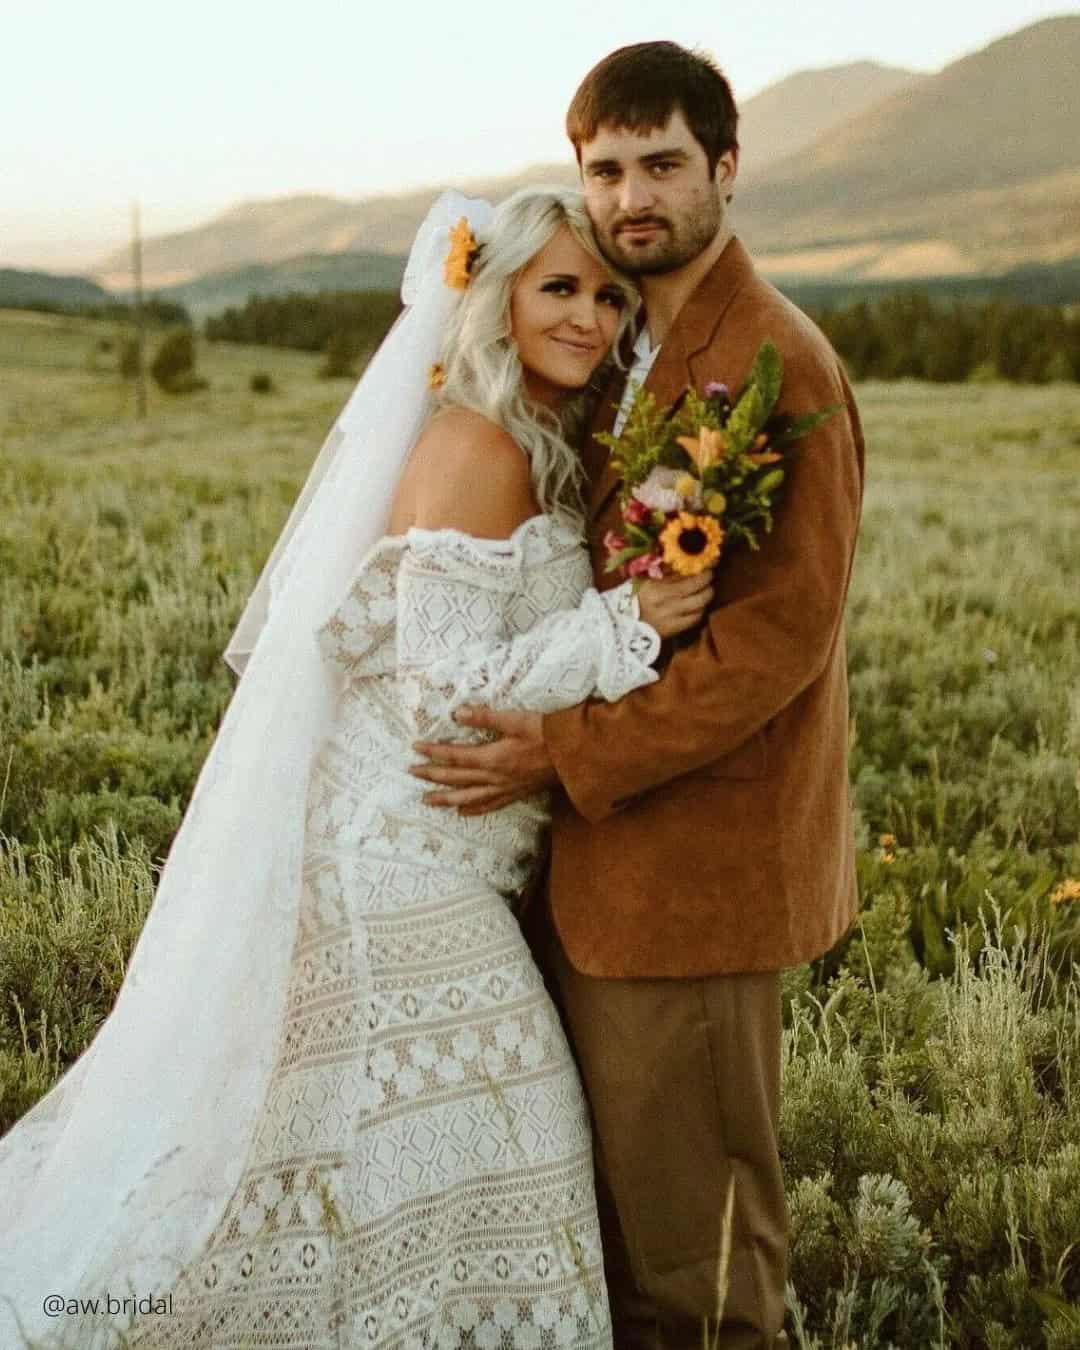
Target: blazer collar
<point x="692" y="332"/>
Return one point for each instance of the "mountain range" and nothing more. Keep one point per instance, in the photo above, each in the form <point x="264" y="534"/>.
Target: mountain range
<point x="974" y="169"/>
<point x="860" y="172"/>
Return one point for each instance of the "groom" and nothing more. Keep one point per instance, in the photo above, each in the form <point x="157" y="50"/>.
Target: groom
<point x="702" y="838"/>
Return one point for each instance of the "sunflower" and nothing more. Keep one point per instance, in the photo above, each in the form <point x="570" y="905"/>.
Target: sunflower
<point x="463" y="248"/>
<point x="691" y="543"/>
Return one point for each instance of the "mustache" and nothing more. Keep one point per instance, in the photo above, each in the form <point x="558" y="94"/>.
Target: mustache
<point x="623" y="221"/>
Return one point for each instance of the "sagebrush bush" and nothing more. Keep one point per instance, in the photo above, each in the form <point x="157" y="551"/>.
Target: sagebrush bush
<point x="69" y="920"/>
<point x="968" y="1103"/>
<point x="174" y="358"/>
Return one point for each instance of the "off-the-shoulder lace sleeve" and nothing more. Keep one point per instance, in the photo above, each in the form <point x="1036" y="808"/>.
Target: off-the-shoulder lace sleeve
<point x="367" y="615"/>
<point x="456" y="644"/>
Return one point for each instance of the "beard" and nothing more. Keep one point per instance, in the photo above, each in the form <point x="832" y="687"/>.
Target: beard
<point x="679" y="242"/>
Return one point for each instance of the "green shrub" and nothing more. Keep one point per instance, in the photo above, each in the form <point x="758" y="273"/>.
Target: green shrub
<point x="68" y="924"/>
<point x="173" y="366"/>
<point x="342" y="351"/>
<point x="932" y="1153"/>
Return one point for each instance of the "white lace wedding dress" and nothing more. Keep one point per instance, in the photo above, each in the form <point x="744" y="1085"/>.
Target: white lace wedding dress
<point x="421" y="1172"/>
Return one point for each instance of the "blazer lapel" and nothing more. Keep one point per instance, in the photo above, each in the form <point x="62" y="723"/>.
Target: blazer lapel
<point x="693" y="330"/>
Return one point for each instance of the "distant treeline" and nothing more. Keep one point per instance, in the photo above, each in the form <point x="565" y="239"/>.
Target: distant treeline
<point x="308" y="322"/>
<point x="1033" y="284"/>
<point x="912" y="335"/>
<point x="156" y="310"/>
<point x="900" y="335"/>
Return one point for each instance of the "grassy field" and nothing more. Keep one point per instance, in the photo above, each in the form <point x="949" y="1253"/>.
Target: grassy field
<point x="931" y="1130"/>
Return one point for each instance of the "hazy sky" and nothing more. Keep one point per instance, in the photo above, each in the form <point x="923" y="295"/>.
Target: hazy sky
<point x="194" y="105"/>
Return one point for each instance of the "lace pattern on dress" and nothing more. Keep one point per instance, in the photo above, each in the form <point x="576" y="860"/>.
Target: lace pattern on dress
<point x="421" y="1175"/>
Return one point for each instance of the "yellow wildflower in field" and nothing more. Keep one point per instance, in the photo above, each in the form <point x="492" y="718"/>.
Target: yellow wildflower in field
<point x="1068" y="893"/>
<point x="691" y="543"/>
<point x="887" y="843"/>
<point x="463" y="247"/>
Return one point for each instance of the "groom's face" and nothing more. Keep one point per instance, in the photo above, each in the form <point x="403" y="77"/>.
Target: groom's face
<point x="654" y="204"/>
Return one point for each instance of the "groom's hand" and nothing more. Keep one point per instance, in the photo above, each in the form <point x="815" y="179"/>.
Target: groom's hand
<point x="482" y="778"/>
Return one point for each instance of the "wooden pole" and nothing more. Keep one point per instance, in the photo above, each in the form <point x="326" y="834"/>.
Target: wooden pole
<point x="140" y="338"/>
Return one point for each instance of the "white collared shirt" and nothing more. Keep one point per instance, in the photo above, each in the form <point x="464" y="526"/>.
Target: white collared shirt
<point x="644" y="356"/>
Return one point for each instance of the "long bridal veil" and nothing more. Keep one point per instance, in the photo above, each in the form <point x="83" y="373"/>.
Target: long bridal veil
<point x="114" y="1181"/>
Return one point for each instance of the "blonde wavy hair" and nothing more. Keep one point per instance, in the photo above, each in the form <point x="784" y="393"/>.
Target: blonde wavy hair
<point x="483" y="371"/>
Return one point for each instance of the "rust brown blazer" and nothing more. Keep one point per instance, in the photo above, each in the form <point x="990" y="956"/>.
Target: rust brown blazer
<point x="705" y="826"/>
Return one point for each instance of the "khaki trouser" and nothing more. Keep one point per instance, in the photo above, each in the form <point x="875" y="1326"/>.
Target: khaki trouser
<point x="683" y="1077"/>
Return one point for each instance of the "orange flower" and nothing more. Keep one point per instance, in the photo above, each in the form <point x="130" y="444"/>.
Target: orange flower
<point x="436" y="376"/>
<point x="765" y="457"/>
<point x="691" y="543"/>
<point x="463" y="248"/>
<point x="707" y="450"/>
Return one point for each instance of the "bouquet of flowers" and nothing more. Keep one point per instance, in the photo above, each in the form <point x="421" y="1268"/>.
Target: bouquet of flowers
<point x="702" y="474"/>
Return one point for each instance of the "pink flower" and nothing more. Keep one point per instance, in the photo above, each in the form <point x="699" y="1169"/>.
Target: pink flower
<point x="615" y="543"/>
<point x="635" y="512"/>
<point x="649" y="564"/>
<point x="714" y="389"/>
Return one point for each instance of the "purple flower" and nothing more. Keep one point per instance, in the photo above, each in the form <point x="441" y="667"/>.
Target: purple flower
<point x="714" y="389"/>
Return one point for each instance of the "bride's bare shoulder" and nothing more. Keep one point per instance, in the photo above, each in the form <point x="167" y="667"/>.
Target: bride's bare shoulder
<point x="461" y="431"/>
<point x="467" y="473"/>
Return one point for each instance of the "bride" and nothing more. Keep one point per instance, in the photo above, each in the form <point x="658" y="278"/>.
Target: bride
<point x="333" y="1105"/>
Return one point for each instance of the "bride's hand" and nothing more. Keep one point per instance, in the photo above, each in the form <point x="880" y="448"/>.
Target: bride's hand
<point x="673" y="604"/>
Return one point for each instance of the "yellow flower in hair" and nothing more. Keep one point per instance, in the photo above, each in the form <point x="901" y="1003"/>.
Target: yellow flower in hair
<point x="436" y="376"/>
<point x="691" y="543"/>
<point x="463" y="248"/>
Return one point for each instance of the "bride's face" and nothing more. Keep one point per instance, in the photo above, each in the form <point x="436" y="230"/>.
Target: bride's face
<point x="564" y="312"/>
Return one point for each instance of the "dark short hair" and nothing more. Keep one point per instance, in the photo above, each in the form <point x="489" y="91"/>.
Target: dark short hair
<point x="639" y="87"/>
